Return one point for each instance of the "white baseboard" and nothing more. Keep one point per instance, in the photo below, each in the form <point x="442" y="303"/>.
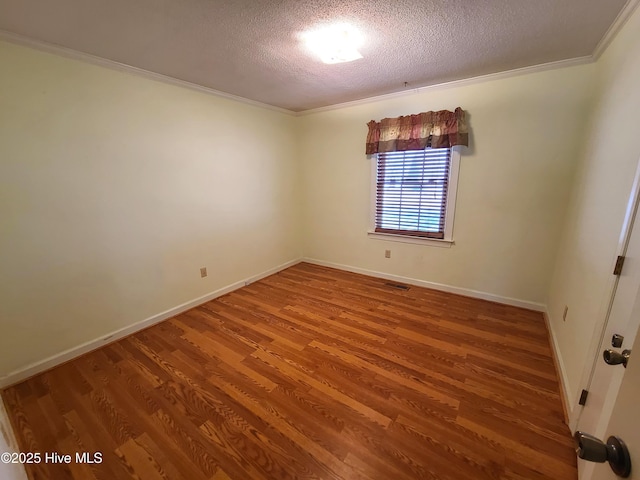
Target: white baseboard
<point x="50" y="362"/>
<point x="467" y="292"/>
<point x="567" y="394"/>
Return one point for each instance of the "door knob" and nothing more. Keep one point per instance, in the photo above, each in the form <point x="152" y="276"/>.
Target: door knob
<point x="614" y="358"/>
<point x="614" y="451"/>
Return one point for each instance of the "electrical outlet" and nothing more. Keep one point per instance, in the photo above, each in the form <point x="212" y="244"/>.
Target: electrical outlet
<point x="564" y="315"/>
<point x="203" y="272"/>
<point x="387" y="254"/>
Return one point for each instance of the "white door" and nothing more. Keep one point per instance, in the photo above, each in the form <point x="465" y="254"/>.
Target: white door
<point x="625" y="423"/>
<point x="623" y="319"/>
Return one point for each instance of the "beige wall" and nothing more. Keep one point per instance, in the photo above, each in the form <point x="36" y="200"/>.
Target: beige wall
<point x="115" y="190"/>
<point x="598" y="203"/>
<point x="513" y="186"/>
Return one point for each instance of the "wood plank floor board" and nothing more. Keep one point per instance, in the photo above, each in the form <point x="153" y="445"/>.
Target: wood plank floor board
<point x="439" y="455"/>
<point x="311" y="418"/>
<point x="311" y="373"/>
<point x="455" y="437"/>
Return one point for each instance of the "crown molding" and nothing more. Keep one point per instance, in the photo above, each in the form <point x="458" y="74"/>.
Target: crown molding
<point x="620" y="20"/>
<point x="458" y="83"/>
<point x="615" y="27"/>
<point x="122" y="67"/>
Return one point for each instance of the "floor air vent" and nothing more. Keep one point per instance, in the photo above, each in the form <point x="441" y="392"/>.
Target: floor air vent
<point x="397" y="285"/>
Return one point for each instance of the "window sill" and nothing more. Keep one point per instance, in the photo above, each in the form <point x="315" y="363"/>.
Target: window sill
<point x="434" y="242"/>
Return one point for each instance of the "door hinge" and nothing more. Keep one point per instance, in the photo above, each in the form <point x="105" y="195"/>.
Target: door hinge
<point x="583" y="397"/>
<point x="617" y="270"/>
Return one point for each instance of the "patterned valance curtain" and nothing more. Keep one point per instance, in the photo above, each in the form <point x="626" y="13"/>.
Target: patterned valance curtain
<point x="416" y="132"/>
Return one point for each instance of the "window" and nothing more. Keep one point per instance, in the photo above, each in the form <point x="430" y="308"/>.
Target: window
<point x="415" y="193"/>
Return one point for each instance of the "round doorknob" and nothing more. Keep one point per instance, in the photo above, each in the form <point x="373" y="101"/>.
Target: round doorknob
<point x="614" y="451"/>
<point x="615" y="358"/>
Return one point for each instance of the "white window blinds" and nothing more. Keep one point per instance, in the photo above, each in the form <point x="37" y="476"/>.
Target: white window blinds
<point x="411" y="192"/>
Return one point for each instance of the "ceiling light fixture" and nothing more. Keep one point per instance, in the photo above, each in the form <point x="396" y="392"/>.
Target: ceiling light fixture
<point x="337" y="43"/>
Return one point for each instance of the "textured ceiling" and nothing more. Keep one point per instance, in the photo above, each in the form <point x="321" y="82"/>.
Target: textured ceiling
<point x="250" y="48"/>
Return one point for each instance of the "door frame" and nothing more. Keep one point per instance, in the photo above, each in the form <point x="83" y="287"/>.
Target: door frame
<point x="600" y="328"/>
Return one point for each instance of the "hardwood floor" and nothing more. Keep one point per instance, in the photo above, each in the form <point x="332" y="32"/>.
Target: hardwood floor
<point x="309" y="373"/>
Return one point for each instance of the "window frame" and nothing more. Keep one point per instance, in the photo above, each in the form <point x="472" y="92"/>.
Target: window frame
<point x="447" y="241"/>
